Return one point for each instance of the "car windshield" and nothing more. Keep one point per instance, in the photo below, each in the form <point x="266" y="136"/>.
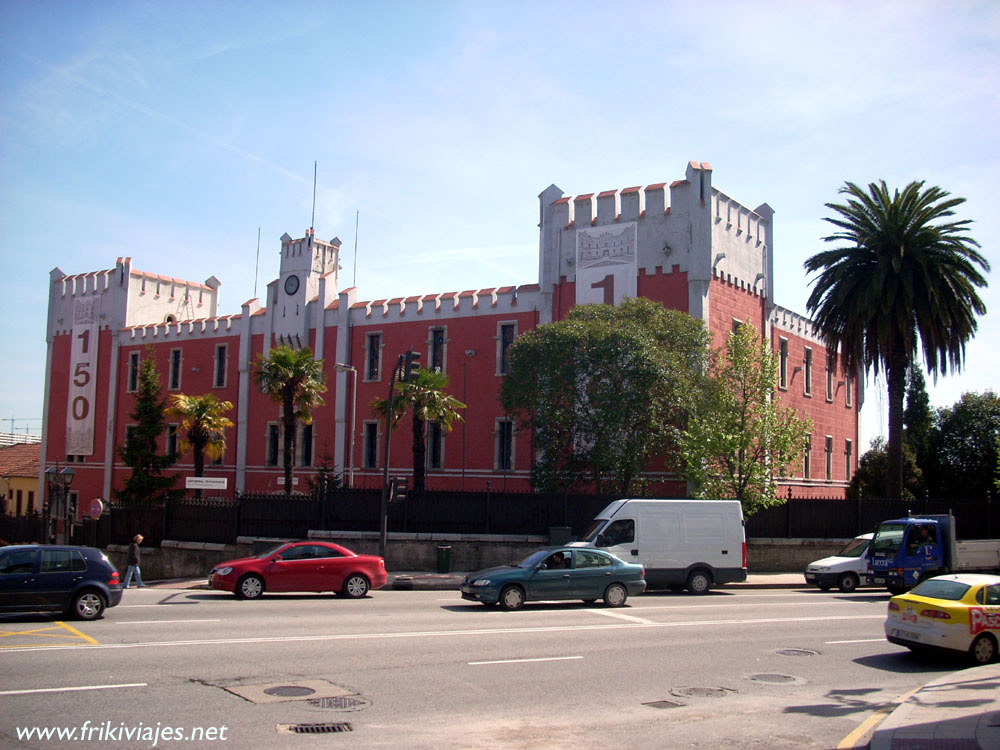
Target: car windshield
<point x="593" y="530"/>
<point x="854" y="548"/>
<point x="532" y="560"/>
<point x="889" y="537"/>
<point x="933" y="588"/>
<point x="271" y="550"/>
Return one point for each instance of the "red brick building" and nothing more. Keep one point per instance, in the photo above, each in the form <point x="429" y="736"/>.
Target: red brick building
<point x="687" y="245"/>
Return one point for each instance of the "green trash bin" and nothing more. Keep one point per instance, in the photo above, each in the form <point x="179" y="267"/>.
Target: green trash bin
<point x="444" y="558"/>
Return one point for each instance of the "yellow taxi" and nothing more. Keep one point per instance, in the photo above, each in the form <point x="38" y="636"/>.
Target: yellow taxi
<point x="958" y="612"/>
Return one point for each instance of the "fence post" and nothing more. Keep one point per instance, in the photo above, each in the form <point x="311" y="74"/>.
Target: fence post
<point x="239" y="514"/>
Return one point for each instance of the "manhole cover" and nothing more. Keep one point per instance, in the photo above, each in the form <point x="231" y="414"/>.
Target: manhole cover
<point x="700" y="692"/>
<point x="345" y="703"/>
<point x="663" y="704"/>
<point x="325" y="728"/>
<point x="773" y="678"/>
<point x="796" y="652"/>
<point x="289" y="691"/>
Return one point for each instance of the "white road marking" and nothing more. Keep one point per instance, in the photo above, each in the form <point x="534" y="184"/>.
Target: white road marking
<point x="158" y="622"/>
<point x="622" y="616"/>
<point x="524" y="661"/>
<point x="865" y="640"/>
<point x="72" y="689"/>
<point x="441" y="633"/>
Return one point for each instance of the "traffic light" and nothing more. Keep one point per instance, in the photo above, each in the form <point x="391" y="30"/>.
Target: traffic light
<point x="411" y="364"/>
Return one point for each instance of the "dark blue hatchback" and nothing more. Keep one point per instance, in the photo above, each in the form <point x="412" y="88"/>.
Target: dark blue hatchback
<point x="80" y="581"/>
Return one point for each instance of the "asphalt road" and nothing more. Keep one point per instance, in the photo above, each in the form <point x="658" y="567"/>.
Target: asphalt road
<point x="422" y="669"/>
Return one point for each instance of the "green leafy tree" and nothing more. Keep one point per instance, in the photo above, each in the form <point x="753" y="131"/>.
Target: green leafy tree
<point x="425" y="399"/>
<point x="903" y="282"/>
<point x="965" y="443"/>
<point x="204" y="425"/>
<point x="292" y="379"/>
<point x="868" y="482"/>
<point x="604" y="390"/>
<point x="740" y="439"/>
<point x="147" y="483"/>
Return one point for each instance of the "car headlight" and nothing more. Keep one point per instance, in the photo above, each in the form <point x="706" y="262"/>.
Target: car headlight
<point x="818" y="569"/>
<point x="222" y="571"/>
<point x="481" y="582"/>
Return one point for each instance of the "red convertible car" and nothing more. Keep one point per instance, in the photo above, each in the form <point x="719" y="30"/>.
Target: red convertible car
<point x="300" y="566"/>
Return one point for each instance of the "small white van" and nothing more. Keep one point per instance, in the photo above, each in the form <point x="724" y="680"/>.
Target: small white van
<point x="690" y="544"/>
<point x="845" y="570"/>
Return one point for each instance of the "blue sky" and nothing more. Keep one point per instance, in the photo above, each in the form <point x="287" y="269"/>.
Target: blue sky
<point x="172" y="131"/>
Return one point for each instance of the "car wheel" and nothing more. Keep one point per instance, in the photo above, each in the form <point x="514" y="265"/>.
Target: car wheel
<point x="511" y="597"/>
<point x="87" y="605"/>
<point x="983" y="649"/>
<point x="589" y="601"/>
<point x="699" y="582"/>
<point x="896" y="590"/>
<point x="824" y="586"/>
<point x="615" y="595"/>
<point x="356" y="586"/>
<point x="250" y="587"/>
<point x="847" y="582"/>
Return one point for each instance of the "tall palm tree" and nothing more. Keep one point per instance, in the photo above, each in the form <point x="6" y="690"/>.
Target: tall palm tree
<point x="425" y="399"/>
<point x="903" y="283"/>
<point x="203" y="425"/>
<point x="294" y="380"/>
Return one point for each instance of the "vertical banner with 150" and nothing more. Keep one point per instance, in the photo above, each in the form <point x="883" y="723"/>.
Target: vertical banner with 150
<point x="82" y="379"/>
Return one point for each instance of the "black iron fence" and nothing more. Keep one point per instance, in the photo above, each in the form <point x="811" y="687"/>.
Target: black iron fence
<point x="222" y="520"/>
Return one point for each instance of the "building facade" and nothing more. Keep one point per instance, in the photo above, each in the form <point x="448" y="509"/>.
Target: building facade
<point x="686" y="244"/>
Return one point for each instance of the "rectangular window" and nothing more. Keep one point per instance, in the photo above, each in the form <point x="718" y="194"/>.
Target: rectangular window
<point x="849" y="382"/>
<point x="272" y="445"/>
<point x="848" y="460"/>
<point x="508" y="331"/>
<point x="435" y="446"/>
<point x="437" y="349"/>
<point x="221" y="361"/>
<point x="129" y="433"/>
<point x="133" y="372"/>
<point x="306" y="445"/>
<point x="830" y="366"/>
<point x="175" y="370"/>
<point x="172" y="443"/>
<point x="829" y="458"/>
<point x="373" y="356"/>
<point x="20" y="499"/>
<point x="505" y="445"/>
<point x="808" y="379"/>
<point x="783" y="363"/>
<point x="370" y="457"/>
<point x="807" y="458"/>
<point x="31" y="502"/>
<point x="736" y="324"/>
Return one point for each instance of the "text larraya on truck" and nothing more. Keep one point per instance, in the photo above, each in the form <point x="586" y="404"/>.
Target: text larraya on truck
<point x="905" y="551"/>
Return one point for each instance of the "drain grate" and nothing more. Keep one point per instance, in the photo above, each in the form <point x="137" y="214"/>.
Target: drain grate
<point x="325" y="728"/>
<point x="663" y="704"/>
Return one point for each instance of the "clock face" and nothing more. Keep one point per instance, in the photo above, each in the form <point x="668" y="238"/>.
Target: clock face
<point x="291" y="284"/>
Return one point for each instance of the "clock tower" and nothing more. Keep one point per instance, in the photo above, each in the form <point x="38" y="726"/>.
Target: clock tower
<point x="308" y="266"/>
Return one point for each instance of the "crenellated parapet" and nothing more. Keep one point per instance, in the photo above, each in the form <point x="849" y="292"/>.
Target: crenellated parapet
<point x="224" y="325"/>
<point x="791" y="322"/>
<point x="471" y="302"/>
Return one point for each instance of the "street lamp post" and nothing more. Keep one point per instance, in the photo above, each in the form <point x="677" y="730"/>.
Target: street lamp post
<point x="354" y="408"/>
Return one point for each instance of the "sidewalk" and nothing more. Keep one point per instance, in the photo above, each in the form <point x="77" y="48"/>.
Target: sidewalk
<point x="960" y="711"/>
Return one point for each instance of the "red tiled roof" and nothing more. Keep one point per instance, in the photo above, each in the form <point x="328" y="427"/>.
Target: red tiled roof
<point x="21" y="460"/>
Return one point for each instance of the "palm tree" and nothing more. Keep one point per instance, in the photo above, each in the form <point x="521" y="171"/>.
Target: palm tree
<point x="204" y="427"/>
<point x="904" y="283"/>
<point x="294" y="380"/>
<point x="425" y="398"/>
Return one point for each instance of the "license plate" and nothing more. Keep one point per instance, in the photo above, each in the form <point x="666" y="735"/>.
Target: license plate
<point x="466" y="589"/>
<point x="878" y="579"/>
<point x="810" y="577"/>
<point x="907" y="634"/>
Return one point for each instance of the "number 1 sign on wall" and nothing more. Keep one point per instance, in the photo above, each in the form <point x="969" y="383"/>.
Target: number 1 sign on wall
<point x="82" y="379"/>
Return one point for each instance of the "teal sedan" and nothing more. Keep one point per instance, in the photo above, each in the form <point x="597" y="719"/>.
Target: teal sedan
<point x="557" y="573"/>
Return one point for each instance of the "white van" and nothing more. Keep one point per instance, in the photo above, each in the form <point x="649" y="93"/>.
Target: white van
<point x="845" y="570"/>
<point x="689" y="544"/>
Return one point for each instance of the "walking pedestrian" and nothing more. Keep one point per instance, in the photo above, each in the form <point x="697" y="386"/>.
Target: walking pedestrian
<point x="133" y="563"/>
